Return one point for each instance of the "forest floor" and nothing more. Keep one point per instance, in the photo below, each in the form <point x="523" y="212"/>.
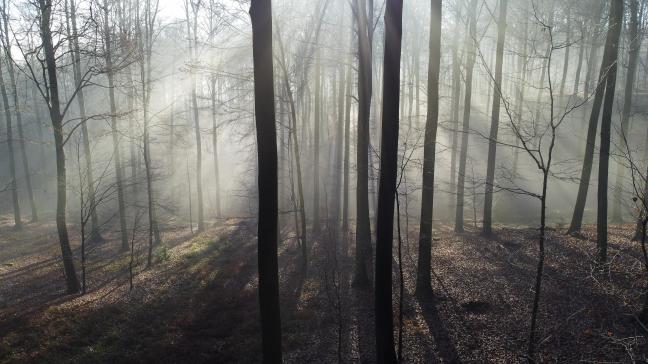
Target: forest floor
<point x="198" y="302"/>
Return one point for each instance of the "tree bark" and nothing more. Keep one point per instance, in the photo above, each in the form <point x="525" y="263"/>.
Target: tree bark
<point x="316" y="143"/>
<point x="19" y="120"/>
<point x="114" y="129"/>
<point x="12" y="156"/>
<point x="612" y="46"/>
<point x="423" y="283"/>
<point x="471" y="39"/>
<point x="261" y="17"/>
<point x="387" y="187"/>
<point x="45" y="10"/>
<point x="581" y="198"/>
<point x="87" y="154"/>
<point x="363" y="227"/>
<point x="633" y="58"/>
<point x="492" y="140"/>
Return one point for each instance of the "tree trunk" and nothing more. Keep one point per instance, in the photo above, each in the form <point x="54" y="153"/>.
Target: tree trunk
<point x="261" y="17"/>
<point x="45" y="9"/>
<point x="12" y="156"/>
<point x="471" y="37"/>
<point x="612" y="46"/>
<point x="19" y="120"/>
<point x="337" y="164"/>
<point x="193" y="46"/>
<point x="76" y="54"/>
<point x="363" y="227"/>
<point x="114" y="130"/>
<point x="215" y="147"/>
<point x="387" y="188"/>
<point x="581" y="197"/>
<point x="316" y="143"/>
<point x="492" y="141"/>
<point x="633" y="58"/>
<point x="567" y="48"/>
<point x="423" y="283"/>
<point x="456" y="96"/>
<point x="347" y="144"/>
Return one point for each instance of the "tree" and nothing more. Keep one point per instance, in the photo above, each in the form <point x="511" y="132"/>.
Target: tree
<point x="363" y="225"/>
<point x="635" y="37"/>
<point x="113" y="128"/>
<point x="73" y="38"/>
<point x="19" y="120"/>
<point x="261" y="17"/>
<point x="423" y="284"/>
<point x="586" y="171"/>
<point x="387" y="185"/>
<point x="51" y="96"/>
<point x="492" y="139"/>
<point x="12" y="156"/>
<point x="192" y="38"/>
<point x="611" y="47"/>
<point x="471" y="40"/>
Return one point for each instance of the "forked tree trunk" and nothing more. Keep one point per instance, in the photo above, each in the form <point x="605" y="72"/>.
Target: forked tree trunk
<point x="581" y="197"/>
<point x="614" y="33"/>
<point x="387" y="187"/>
<point x="471" y="38"/>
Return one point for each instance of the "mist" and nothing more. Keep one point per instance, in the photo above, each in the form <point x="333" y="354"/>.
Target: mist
<point x="474" y="161"/>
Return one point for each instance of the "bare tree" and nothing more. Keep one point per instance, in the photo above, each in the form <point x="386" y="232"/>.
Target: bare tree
<point x="387" y="187"/>
<point x="423" y="283"/>
<point x="261" y="16"/>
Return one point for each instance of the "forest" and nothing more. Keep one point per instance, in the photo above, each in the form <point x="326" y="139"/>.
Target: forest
<point x="321" y="181"/>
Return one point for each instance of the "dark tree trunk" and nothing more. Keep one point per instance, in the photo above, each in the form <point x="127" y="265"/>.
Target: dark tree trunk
<point x="612" y="46"/>
<point x="363" y="227"/>
<point x="261" y="16"/>
<point x="387" y="188"/>
<point x="581" y="197"/>
<point x="423" y="283"/>
<point x="492" y="140"/>
<point x="45" y="9"/>
<point x="471" y="37"/>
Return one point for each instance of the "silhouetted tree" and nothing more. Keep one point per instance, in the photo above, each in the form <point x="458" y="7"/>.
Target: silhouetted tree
<point x="387" y="187"/>
<point x="264" y="108"/>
